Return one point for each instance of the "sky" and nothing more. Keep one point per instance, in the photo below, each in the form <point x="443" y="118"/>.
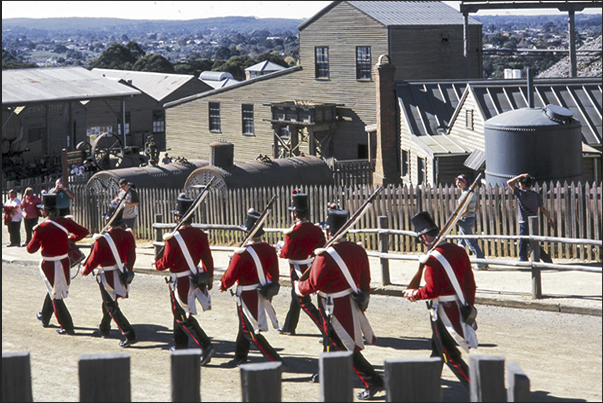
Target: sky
<point x="188" y="10"/>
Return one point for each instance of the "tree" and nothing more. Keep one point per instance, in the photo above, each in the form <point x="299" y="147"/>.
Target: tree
<point x="135" y="50"/>
<point x="236" y="66"/>
<point x="116" y="57"/>
<point x="273" y="57"/>
<point x="153" y="62"/>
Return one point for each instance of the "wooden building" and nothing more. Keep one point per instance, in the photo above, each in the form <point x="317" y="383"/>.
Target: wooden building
<point x="144" y="115"/>
<point x="339" y="47"/>
<point x="44" y="110"/>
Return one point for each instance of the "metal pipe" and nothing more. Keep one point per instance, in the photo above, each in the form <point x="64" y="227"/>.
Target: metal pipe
<point x="530" y="87"/>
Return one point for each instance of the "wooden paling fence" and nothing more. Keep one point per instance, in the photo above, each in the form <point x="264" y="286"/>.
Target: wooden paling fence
<point x="576" y="210"/>
<point x="106" y="378"/>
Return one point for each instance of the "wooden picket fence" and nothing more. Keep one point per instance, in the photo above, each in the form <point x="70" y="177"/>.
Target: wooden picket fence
<point x="106" y="378"/>
<point x="576" y="209"/>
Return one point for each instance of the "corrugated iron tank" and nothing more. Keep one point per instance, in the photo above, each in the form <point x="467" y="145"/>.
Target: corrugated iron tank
<point x="308" y="170"/>
<point x="169" y="176"/>
<point x="544" y="142"/>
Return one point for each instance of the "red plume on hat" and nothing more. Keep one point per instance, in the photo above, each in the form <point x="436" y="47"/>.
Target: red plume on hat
<point x="332" y="206"/>
<point x="294" y="191"/>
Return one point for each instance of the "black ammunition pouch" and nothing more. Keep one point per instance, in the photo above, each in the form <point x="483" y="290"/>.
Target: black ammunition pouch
<point x="468" y="313"/>
<point x="362" y="299"/>
<point x="270" y="290"/>
<point x="200" y="279"/>
<point x="126" y="276"/>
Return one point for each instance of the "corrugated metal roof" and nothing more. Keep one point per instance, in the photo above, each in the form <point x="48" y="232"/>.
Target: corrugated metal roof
<point x="440" y="144"/>
<point x="582" y="96"/>
<point x="394" y="13"/>
<point x="431" y="105"/>
<point x="265" y="66"/>
<point x="214" y="75"/>
<point x="227" y="82"/>
<point x="156" y="85"/>
<point x="26" y="86"/>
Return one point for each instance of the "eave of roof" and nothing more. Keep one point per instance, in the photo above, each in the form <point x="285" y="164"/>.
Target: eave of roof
<point x="232" y="87"/>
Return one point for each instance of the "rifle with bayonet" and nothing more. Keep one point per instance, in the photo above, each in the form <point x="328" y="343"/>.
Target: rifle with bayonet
<point x="452" y="220"/>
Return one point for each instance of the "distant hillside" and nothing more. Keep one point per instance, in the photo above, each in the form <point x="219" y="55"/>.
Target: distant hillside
<point x="117" y="25"/>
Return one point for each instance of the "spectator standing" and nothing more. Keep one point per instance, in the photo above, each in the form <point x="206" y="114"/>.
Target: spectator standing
<point x="64" y="196"/>
<point x="528" y="204"/>
<point x="466" y="221"/>
<point x="130" y="215"/>
<point x="13" y="217"/>
<point x="31" y="213"/>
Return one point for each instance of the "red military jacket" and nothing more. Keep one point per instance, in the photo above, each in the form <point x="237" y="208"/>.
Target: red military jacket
<point x="55" y="242"/>
<point x="301" y="241"/>
<point x="326" y="276"/>
<point x="102" y="255"/>
<point x="197" y="244"/>
<point x="436" y="280"/>
<point x="242" y="270"/>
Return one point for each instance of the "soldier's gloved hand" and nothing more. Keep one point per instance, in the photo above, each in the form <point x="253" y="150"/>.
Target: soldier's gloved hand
<point x="411" y="294"/>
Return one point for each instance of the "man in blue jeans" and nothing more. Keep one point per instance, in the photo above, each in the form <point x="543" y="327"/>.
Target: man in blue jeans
<point x="528" y="204"/>
<point x="467" y="221"/>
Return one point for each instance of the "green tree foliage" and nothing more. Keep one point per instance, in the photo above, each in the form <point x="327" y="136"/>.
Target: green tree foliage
<point x="135" y="50"/>
<point x="236" y="66"/>
<point x="273" y="57"/>
<point x="153" y="62"/>
<point x="116" y="57"/>
<point x="10" y="62"/>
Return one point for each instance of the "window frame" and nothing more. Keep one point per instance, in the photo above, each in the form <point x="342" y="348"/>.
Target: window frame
<point x="215" y="120"/>
<point x="158" y="121"/>
<point x="320" y="71"/>
<point x="247" y="121"/>
<point x="362" y="65"/>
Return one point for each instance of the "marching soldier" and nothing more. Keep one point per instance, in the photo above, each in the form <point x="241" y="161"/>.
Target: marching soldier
<point x="300" y="242"/>
<point x="253" y="268"/>
<point x="337" y="274"/>
<point x="189" y="282"/>
<point x="446" y="265"/>
<point x="53" y="236"/>
<point x="115" y="253"/>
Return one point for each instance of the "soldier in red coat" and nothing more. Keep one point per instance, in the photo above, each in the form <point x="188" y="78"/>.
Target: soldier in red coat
<point x="115" y="253"/>
<point x="300" y="242"/>
<point x="338" y="274"/>
<point x="447" y="269"/>
<point x="188" y="257"/>
<point x="252" y="268"/>
<point x="53" y="236"/>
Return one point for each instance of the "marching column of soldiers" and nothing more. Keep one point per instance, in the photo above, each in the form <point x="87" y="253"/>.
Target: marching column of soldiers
<point x="333" y="268"/>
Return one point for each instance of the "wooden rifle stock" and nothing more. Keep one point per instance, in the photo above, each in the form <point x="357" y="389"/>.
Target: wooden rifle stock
<point x="259" y="221"/>
<point x="348" y="224"/>
<point x="450" y="222"/>
<point x="200" y="197"/>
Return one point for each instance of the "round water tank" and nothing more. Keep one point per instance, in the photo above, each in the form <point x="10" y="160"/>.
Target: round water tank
<point x="543" y="142"/>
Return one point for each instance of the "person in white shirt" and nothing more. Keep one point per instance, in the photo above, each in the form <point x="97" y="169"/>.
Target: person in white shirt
<point x="12" y="218"/>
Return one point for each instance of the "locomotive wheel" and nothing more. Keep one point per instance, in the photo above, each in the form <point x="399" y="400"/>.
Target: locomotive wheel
<point x="104" y="147"/>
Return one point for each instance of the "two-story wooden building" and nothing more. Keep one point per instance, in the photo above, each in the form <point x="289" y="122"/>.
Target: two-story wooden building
<point x="322" y="106"/>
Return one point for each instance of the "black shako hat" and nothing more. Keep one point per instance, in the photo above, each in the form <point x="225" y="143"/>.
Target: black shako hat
<point x="336" y="218"/>
<point x="252" y="217"/>
<point x="118" y="218"/>
<point x="300" y="201"/>
<point x="49" y="201"/>
<point x="182" y="205"/>
<point x="423" y="223"/>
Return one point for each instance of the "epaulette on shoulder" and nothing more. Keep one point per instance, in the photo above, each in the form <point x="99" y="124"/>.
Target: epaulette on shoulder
<point x="96" y="237"/>
<point x="319" y="251"/>
<point x="129" y="229"/>
<point x="168" y="236"/>
<point x="240" y="250"/>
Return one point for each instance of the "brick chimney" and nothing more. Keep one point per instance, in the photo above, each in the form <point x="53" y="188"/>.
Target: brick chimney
<point x="386" y="162"/>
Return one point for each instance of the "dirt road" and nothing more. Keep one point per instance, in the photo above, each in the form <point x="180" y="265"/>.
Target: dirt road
<point x="560" y="353"/>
